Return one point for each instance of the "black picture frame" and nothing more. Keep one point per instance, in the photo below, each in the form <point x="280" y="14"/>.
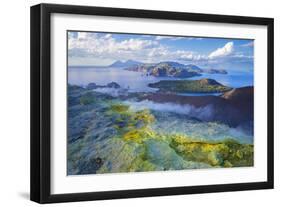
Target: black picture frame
<point x="41" y="98"/>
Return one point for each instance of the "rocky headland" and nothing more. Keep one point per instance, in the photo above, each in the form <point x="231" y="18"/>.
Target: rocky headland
<point x="172" y="69"/>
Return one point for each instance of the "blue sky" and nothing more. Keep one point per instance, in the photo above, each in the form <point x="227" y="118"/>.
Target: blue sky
<point x="101" y="49"/>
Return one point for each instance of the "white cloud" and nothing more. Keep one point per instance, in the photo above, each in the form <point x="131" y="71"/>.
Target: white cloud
<point x="107" y="36"/>
<point x="194" y="38"/>
<point x="82" y="35"/>
<point x="189" y="56"/>
<point x="177" y="38"/>
<point x="241" y="55"/>
<point x="163" y="54"/>
<point x="249" y="44"/>
<point x="102" y="45"/>
<point x="104" y="48"/>
<point x="168" y="37"/>
<point x="224" y="51"/>
<point x="134" y="44"/>
<point x="158" y="52"/>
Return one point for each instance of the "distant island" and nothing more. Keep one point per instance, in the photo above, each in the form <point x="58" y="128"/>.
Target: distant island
<point x="165" y="69"/>
<point x="190" y="86"/>
<point x="161" y="69"/>
<point x="128" y="63"/>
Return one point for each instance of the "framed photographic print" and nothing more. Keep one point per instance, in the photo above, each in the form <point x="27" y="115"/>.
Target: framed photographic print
<point x="132" y="103"/>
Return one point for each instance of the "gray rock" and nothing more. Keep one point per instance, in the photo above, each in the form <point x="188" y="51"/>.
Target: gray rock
<point x="91" y="86"/>
<point x="113" y="85"/>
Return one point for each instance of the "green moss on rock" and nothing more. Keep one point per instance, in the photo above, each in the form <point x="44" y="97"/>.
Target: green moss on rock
<point x="228" y="153"/>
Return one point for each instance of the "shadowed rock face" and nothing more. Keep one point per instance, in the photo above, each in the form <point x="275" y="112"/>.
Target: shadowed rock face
<point x="113" y="85"/>
<point x="239" y="93"/>
<point x="234" y="107"/>
<point x="167" y="69"/>
<point x="92" y="86"/>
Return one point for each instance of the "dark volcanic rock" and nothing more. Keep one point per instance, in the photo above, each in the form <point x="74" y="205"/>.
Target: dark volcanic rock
<point x="167" y="69"/>
<point x="239" y="94"/>
<point x="186" y="74"/>
<point x="234" y="108"/>
<point x="243" y="100"/>
<point x="91" y="86"/>
<point x="113" y="85"/>
<point x="90" y="166"/>
<point x="172" y="69"/>
<point x="160" y="71"/>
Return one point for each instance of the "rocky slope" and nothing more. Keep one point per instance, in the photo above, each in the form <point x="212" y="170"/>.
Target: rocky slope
<point x="190" y="86"/>
<point x="106" y="135"/>
<point x="234" y="108"/>
<point x="172" y="69"/>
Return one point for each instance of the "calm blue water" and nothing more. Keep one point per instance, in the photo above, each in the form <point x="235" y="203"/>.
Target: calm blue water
<point x="232" y="79"/>
<point x="136" y="82"/>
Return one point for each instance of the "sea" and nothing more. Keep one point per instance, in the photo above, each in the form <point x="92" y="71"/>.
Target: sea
<point x="138" y="82"/>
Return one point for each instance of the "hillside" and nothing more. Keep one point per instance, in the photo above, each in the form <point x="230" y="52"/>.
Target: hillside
<point x="172" y="69"/>
<point x="239" y="93"/>
<point x="234" y="107"/>
<point x="190" y="86"/>
<point x="166" y="69"/>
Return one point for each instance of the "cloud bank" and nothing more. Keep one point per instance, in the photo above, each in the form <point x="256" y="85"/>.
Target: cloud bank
<point x="226" y="50"/>
<point x="203" y="113"/>
<point x="145" y="48"/>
